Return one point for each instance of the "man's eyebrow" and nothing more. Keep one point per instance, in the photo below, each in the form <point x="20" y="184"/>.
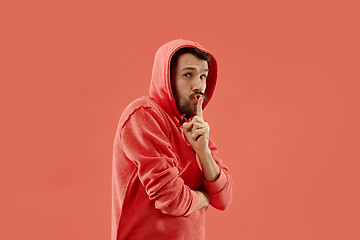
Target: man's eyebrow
<point x="192" y="68"/>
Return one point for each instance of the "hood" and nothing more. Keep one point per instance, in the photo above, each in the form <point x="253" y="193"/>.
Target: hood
<point x="160" y="86"/>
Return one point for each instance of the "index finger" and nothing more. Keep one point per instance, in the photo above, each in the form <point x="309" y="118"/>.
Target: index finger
<point x="199" y="111"/>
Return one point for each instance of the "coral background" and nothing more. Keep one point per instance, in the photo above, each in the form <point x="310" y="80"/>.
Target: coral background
<point x="285" y="114"/>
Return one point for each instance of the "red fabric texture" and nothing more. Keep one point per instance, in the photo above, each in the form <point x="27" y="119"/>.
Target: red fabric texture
<point x="155" y="171"/>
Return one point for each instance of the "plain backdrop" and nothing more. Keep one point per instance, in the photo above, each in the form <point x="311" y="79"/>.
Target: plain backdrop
<point x="285" y="114"/>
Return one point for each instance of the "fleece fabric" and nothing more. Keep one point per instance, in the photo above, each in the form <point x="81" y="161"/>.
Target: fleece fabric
<point x="155" y="170"/>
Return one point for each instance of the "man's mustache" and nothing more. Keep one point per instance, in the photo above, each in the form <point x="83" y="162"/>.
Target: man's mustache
<point x="193" y="95"/>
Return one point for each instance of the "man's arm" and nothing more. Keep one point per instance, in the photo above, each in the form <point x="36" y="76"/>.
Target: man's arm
<point x="211" y="170"/>
<point x="216" y="178"/>
<point x="145" y="143"/>
<point x="219" y="190"/>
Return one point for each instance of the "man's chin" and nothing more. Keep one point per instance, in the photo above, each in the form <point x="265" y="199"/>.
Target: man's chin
<point x="188" y="115"/>
<point x="188" y="112"/>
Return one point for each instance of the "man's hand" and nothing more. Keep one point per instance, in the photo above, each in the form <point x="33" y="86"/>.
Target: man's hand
<point x="197" y="130"/>
<point x="203" y="200"/>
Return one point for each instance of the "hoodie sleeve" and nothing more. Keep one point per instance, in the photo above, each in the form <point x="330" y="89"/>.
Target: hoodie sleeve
<point x="146" y="144"/>
<point x="220" y="190"/>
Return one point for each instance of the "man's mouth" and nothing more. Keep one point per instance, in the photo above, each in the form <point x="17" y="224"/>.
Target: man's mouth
<point x="196" y="96"/>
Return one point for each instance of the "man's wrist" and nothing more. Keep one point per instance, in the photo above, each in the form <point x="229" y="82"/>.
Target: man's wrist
<point x="204" y="154"/>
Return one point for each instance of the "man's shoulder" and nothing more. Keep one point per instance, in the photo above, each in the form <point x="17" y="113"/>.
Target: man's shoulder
<point x="142" y="105"/>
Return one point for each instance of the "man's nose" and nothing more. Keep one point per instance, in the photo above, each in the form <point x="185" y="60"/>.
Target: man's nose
<point x="198" y="85"/>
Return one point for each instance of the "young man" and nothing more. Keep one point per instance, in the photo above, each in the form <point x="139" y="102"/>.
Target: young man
<point x="166" y="170"/>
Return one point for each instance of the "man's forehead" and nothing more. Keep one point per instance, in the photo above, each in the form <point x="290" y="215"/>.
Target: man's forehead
<point x="188" y="61"/>
<point x="192" y="68"/>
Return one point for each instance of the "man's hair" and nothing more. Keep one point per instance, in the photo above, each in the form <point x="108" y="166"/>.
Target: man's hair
<point x="194" y="51"/>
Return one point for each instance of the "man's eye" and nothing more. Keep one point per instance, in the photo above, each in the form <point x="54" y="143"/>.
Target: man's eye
<point x="187" y="75"/>
<point x="203" y="77"/>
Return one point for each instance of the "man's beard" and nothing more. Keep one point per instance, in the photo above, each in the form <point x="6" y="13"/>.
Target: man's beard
<point x="187" y="109"/>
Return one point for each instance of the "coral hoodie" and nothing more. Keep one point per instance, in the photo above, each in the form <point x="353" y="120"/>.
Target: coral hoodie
<point x="155" y="171"/>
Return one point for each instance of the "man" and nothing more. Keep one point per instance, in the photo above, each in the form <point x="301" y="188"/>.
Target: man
<point x="166" y="170"/>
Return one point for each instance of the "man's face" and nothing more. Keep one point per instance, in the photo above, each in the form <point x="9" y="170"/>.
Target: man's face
<point x="188" y="80"/>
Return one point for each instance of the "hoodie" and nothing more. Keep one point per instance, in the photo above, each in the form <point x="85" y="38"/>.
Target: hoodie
<point x="155" y="171"/>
